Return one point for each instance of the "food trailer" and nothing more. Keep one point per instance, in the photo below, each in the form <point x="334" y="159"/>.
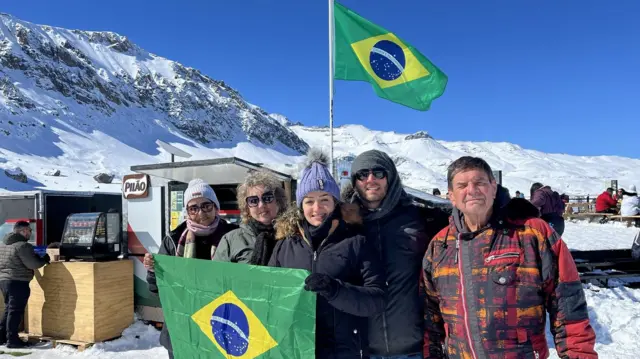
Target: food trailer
<point x="152" y="207"/>
<point x="47" y="210"/>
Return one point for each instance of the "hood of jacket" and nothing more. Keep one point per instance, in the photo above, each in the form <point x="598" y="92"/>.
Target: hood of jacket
<point x="12" y="238"/>
<point x="395" y="192"/>
<point x="289" y="223"/>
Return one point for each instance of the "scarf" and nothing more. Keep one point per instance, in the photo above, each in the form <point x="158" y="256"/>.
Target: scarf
<point x="318" y="234"/>
<point x="187" y="243"/>
<point x="265" y="242"/>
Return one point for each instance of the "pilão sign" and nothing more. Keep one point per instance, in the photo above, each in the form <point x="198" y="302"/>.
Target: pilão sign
<point x="135" y="186"/>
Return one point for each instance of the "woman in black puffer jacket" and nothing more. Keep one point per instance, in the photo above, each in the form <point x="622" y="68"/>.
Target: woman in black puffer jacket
<point x="321" y="236"/>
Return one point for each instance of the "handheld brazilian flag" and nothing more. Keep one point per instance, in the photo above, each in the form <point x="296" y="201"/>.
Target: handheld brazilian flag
<point x="365" y="51"/>
<point x="229" y="310"/>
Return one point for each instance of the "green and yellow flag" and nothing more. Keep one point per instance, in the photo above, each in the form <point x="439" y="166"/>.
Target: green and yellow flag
<point x="230" y="310"/>
<point x="398" y="72"/>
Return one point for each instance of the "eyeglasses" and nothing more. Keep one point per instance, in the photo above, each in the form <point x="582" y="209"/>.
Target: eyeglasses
<point x="204" y="207"/>
<point x="378" y="173"/>
<point x="266" y="198"/>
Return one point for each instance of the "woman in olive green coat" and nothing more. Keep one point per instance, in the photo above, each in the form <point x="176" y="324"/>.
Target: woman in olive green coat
<point x="261" y="199"/>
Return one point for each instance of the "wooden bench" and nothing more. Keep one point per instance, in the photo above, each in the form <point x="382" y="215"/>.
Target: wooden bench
<point x="590" y="217"/>
<point x="629" y="220"/>
<point x="578" y="207"/>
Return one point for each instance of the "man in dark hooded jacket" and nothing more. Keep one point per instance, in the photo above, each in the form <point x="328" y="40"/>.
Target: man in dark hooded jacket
<point x="400" y="231"/>
<point x="17" y="262"/>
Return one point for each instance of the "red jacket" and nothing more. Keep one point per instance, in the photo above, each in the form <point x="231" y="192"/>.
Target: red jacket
<point x="488" y="292"/>
<point x="605" y="201"/>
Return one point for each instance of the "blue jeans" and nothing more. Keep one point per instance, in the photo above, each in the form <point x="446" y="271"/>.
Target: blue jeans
<point x="405" y="356"/>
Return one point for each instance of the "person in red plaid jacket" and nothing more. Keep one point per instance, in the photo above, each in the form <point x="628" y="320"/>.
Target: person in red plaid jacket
<point x="494" y="273"/>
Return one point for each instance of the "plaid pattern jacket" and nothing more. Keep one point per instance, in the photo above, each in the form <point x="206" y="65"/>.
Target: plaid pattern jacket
<point x="488" y="292"/>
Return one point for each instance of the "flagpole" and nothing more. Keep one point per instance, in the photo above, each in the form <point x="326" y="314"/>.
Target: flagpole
<point x="331" y="58"/>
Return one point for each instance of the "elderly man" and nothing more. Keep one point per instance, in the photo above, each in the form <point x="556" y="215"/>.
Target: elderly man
<point x="400" y="232"/>
<point x="17" y="262"/>
<point x="494" y="273"/>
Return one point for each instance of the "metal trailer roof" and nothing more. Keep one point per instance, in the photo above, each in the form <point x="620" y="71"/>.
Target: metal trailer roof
<point x="218" y="171"/>
<point x="53" y="192"/>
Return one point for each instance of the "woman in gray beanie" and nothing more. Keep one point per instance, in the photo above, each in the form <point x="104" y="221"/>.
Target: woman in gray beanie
<point x="197" y="237"/>
<point x="322" y="236"/>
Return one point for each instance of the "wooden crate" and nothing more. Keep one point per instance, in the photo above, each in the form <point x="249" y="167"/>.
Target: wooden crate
<point x="83" y="301"/>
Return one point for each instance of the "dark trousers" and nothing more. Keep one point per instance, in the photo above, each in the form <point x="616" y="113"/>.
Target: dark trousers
<point x="16" y="294"/>
<point x="609" y="210"/>
<point x="555" y="221"/>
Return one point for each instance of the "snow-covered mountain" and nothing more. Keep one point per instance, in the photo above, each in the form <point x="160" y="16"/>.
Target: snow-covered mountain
<point x="86" y="102"/>
<point x="422" y="160"/>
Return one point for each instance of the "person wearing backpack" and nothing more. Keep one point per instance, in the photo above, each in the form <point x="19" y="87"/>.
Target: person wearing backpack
<point x="550" y="205"/>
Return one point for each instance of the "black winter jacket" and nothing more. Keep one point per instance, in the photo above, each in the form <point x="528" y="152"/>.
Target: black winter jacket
<point x="203" y="251"/>
<point x="401" y="238"/>
<point x="341" y="321"/>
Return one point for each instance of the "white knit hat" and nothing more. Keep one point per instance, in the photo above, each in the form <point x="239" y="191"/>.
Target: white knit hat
<point x="199" y="188"/>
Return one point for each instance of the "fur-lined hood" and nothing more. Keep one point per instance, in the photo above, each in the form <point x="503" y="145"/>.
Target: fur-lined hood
<point x="288" y="223"/>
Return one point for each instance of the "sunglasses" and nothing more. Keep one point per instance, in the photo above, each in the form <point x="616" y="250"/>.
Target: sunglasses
<point x="205" y="207"/>
<point x="254" y="201"/>
<point x="378" y="173"/>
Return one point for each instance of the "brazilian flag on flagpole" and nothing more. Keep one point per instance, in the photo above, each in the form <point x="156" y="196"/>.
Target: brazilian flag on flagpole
<point x="397" y="71"/>
<point x="230" y="310"/>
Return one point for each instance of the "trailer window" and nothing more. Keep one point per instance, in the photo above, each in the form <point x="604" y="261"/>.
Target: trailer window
<point x="7" y="227"/>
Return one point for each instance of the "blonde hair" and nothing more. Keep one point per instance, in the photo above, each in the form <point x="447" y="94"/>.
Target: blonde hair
<point x="270" y="184"/>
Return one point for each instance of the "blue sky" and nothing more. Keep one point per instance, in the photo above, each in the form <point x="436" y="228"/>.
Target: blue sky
<point x="557" y="76"/>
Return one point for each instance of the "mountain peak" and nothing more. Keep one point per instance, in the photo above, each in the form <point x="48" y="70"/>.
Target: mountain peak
<point x="418" y="135"/>
<point x="101" y="81"/>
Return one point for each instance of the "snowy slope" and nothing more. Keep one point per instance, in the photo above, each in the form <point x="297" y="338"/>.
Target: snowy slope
<point x="85" y="102"/>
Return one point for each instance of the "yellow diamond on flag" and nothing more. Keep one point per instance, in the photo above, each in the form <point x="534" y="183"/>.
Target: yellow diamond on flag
<point x="233" y="328"/>
<point x="388" y="46"/>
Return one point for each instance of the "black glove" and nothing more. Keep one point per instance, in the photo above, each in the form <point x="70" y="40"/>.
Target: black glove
<point x="321" y="284"/>
<point x="47" y="258"/>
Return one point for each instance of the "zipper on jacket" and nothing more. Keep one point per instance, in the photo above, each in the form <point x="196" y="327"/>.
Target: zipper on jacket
<point x="315" y="252"/>
<point x="313" y="264"/>
<point x="464" y="301"/>
<point x="502" y="256"/>
<point x="384" y="313"/>
<point x="357" y="334"/>
<point x="457" y="249"/>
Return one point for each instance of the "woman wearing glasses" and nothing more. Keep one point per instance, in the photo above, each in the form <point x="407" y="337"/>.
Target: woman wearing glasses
<point x="197" y="237"/>
<point x="322" y="236"/>
<point x="261" y="199"/>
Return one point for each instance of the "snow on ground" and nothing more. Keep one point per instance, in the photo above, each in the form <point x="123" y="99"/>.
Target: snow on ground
<point x="139" y="341"/>
<point x="581" y="235"/>
<point x="615" y="316"/>
<point x="614" y="312"/>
